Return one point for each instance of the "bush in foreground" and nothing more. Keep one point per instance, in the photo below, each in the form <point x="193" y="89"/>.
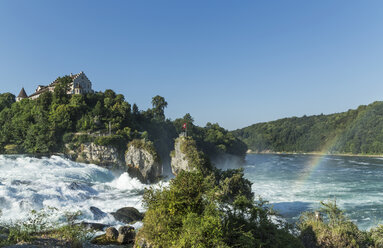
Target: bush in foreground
<point x="210" y="210"/>
<point x="334" y="230"/>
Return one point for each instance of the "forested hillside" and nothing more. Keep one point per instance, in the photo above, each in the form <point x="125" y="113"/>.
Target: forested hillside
<point x="357" y="131"/>
<point x="45" y="125"/>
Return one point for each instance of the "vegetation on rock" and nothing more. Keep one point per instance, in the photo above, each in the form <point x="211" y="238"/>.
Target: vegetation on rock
<point x="335" y="230"/>
<point x="47" y="124"/>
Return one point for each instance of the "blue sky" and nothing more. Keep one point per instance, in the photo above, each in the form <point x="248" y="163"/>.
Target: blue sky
<point x="231" y="62"/>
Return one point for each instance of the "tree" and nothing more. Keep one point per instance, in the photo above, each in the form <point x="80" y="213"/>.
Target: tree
<point x="6" y="100"/>
<point x="135" y="109"/>
<point x="159" y="104"/>
<point x="60" y="95"/>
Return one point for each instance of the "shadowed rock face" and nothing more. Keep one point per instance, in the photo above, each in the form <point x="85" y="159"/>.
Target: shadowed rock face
<point x="128" y="215"/>
<point x="126" y="235"/>
<point x="97" y="213"/>
<point x="143" y="164"/>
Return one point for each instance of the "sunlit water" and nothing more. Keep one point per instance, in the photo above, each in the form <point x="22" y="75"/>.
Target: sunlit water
<point x="296" y="183"/>
<point x="31" y="183"/>
<point x="291" y="183"/>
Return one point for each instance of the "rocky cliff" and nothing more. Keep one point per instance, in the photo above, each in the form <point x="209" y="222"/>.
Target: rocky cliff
<point x="143" y="161"/>
<point x="96" y="154"/>
<point x="186" y="156"/>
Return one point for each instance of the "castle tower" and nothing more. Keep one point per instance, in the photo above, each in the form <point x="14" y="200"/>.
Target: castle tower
<point x="22" y="95"/>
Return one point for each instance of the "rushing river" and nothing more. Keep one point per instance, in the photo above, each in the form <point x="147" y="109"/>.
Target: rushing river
<point x="31" y="183"/>
<point x="291" y="183"/>
<point x="296" y="183"/>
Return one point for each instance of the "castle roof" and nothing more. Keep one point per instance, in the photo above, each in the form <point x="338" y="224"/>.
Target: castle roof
<point x="40" y="91"/>
<point x="22" y="94"/>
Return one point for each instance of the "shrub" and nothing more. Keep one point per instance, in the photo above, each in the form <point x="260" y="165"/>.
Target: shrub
<point x="376" y="235"/>
<point x="116" y="141"/>
<point x="334" y="231"/>
<point x="68" y="137"/>
<point x="38" y="225"/>
<point x="215" y="210"/>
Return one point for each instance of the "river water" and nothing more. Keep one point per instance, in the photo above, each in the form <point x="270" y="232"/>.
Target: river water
<point x="296" y="183"/>
<point x="291" y="183"/>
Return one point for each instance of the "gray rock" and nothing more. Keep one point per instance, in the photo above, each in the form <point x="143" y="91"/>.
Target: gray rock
<point x="126" y="235"/>
<point x="128" y="215"/>
<point x="179" y="160"/>
<point x="142" y="161"/>
<point x="97" y="213"/>
<point x="4" y="230"/>
<point x="111" y="233"/>
<point x="97" y="154"/>
<point x="94" y="226"/>
<point x="3" y="237"/>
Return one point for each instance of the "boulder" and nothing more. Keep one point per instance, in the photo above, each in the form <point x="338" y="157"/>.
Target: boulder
<point x="97" y="213"/>
<point x="126" y="235"/>
<point x="94" y="226"/>
<point x="128" y="215"/>
<point x="4" y="230"/>
<point x="111" y="234"/>
<point x="143" y="161"/>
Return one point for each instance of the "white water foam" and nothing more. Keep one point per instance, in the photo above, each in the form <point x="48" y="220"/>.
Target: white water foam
<point x="28" y="183"/>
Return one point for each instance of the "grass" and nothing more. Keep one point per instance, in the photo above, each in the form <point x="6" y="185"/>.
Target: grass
<point x="37" y="227"/>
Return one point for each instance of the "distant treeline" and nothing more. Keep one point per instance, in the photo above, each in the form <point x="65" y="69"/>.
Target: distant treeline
<point x="357" y="131"/>
<point x="46" y="124"/>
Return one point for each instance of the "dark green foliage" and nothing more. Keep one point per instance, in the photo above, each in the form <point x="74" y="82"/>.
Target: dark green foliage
<point x="6" y="100"/>
<point x="214" y="210"/>
<point x="213" y="140"/>
<point x="355" y="131"/>
<point x="46" y="124"/>
<point x="117" y="141"/>
<point x="159" y="105"/>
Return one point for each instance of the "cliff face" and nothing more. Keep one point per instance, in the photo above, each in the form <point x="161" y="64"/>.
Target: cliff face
<point x="96" y="154"/>
<point x="180" y="157"/>
<point x="143" y="161"/>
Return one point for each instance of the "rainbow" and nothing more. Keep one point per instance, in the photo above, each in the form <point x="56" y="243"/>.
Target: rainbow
<point x="317" y="159"/>
<point x="312" y="166"/>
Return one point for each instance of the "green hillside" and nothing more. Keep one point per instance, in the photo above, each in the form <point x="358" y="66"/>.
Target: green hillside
<point x="47" y="124"/>
<point x="357" y="131"/>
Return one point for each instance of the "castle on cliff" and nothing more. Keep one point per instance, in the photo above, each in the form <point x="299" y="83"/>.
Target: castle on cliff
<point x="80" y="85"/>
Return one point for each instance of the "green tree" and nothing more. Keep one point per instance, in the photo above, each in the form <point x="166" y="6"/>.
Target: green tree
<point x="6" y="100"/>
<point x="159" y="104"/>
<point x="60" y="95"/>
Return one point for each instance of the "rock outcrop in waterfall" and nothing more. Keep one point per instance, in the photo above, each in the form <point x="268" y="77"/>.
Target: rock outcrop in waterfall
<point x="143" y="161"/>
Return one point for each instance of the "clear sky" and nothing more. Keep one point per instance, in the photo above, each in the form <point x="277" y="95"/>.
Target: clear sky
<point x="232" y="62"/>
